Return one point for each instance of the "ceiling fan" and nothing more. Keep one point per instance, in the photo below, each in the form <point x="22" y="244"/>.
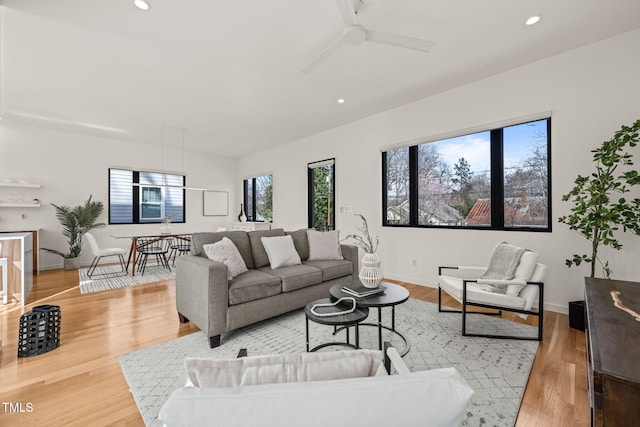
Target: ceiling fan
<point x="354" y="33"/>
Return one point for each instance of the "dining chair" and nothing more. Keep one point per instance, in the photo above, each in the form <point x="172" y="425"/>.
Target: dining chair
<point x="99" y="253"/>
<point x="180" y="245"/>
<point x="154" y="246"/>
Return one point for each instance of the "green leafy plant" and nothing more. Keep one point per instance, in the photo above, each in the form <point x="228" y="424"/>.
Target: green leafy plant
<point x="364" y="240"/>
<point x="599" y="206"/>
<point x="75" y="222"/>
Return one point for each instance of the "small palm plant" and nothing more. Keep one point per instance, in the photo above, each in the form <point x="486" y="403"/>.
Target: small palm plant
<point x="75" y="222"/>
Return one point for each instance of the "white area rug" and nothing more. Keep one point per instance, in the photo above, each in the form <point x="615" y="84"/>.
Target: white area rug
<point x="105" y="278"/>
<point x="497" y="370"/>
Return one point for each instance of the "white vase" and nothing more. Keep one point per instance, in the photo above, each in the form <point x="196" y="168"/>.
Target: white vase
<point x="370" y="273"/>
<point x="165" y="228"/>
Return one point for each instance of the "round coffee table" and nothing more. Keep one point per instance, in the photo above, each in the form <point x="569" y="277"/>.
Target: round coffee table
<point x="392" y="296"/>
<point x="342" y="320"/>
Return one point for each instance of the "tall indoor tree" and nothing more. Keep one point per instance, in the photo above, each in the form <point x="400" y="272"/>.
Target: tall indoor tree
<point x="600" y="208"/>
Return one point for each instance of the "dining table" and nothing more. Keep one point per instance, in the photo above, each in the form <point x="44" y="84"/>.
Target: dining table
<point x="150" y="238"/>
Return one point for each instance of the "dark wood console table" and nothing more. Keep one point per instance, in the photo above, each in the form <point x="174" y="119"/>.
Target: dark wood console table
<point x="613" y="351"/>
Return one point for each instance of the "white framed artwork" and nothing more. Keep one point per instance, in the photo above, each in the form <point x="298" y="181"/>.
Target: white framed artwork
<point x="215" y="203"/>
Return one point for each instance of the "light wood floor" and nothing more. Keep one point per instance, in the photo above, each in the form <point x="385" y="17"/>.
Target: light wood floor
<point x="81" y="384"/>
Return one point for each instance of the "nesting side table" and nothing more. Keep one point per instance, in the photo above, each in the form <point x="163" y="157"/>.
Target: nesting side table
<point x="341" y="320"/>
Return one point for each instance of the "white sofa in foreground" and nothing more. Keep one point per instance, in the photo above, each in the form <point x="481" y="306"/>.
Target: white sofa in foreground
<point x="340" y="388"/>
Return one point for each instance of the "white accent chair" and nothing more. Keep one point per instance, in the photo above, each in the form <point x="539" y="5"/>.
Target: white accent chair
<point x="99" y="253"/>
<point x="517" y="295"/>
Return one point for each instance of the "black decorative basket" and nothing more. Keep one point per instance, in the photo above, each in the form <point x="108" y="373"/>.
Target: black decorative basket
<point x="39" y="330"/>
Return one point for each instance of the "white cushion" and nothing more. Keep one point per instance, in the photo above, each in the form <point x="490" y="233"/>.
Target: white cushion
<point x="453" y="286"/>
<point x="324" y="245"/>
<point x="225" y="251"/>
<point x="280" y="251"/>
<point x="279" y="368"/>
<point x="524" y="271"/>
<point x="437" y="397"/>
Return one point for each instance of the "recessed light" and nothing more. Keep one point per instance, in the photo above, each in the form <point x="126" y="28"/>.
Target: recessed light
<point x="341" y="101"/>
<point x="533" y="20"/>
<point x="141" y="4"/>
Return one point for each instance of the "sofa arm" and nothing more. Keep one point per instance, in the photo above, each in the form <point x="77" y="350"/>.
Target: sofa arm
<point x="350" y="253"/>
<point x="202" y="293"/>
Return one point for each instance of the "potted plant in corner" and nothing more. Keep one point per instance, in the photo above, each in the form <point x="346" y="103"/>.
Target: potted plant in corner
<point x="75" y="222"/>
<point x="599" y="206"/>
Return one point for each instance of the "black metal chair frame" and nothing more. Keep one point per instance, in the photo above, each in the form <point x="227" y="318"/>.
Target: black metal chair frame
<point x="180" y="245"/>
<point x="466" y="304"/>
<point x="96" y="261"/>
<point x="153" y="246"/>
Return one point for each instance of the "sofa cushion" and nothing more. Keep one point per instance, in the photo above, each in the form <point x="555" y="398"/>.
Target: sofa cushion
<point x="225" y="251"/>
<point x="324" y="245"/>
<point x="332" y="269"/>
<point x="281" y="251"/>
<point x="239" y="238"/>
<point x="253" y="285"/>
<point x="438" y="397"/>
<point x="296" y="276"/>
<point x="301" y="242"/>
<point x="282" y="368"/>
<point x="260" y="258"/>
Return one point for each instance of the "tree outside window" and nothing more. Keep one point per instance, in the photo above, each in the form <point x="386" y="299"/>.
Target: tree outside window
<point x="495" y="179"/>
<point x="321" y="197"/>
<point x="258" y="198"/>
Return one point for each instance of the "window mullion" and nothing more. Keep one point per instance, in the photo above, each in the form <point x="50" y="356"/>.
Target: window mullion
<point x="413" y="185"/>
<point x="385" y="194"/>
<point x="254" y="200"/>
<point x="497" y="179"/>
<point x="136" y="198"/>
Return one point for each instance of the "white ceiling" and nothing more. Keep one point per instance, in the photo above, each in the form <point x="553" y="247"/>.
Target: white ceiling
<point x="229" y="71"/>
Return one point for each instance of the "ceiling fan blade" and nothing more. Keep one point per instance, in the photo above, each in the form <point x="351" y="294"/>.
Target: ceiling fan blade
<point x="323" y="56"/>
<point x="400" y="41"/>
<point x="347" y="12"/>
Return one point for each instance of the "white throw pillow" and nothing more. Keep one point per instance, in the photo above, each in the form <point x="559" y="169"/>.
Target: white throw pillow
<point x="324" y="245"/>
<point x="225" y="251"/>
<point x="280" y="251"/>
<point x="282" y="368"/>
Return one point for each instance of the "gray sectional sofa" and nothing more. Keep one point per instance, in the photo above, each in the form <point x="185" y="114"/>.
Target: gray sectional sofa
<point x="206" y="297"/>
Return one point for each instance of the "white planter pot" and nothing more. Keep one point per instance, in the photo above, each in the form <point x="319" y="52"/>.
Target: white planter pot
<point x="370" y="273"/>
<point x="71" y="263"/>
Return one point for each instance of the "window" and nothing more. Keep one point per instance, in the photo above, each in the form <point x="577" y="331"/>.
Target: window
<point x="258" y="198"/>
<point x="137" y="197"/>
<point x="494" y="179"/>
<point x="321" y="195"/>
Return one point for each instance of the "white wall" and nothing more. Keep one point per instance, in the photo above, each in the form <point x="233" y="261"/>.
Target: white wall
<point x="71" y="166"/>
<point x="590" y="91"/>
